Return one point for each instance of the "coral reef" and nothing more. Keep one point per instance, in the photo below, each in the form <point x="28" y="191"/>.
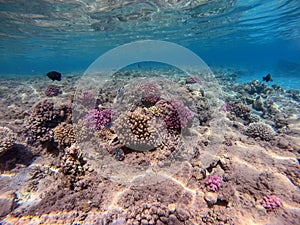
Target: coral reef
<point x="96" y="119"/>
<point x="7" y="139"/>
<point x="52" y="90"/>
<point x="260" y="130"/>
<point x="151" y="94"/>
<point x="214" y="183"/>
<point x="64" y="135"/>
<point x="271" y="202"/>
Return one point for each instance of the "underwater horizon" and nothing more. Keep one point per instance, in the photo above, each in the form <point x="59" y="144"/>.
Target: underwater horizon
<point x="255" y="37"/>
<point x="139" y="112"/>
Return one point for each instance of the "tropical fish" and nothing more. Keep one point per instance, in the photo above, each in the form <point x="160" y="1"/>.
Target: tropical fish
<point x="53" y="75"/>
<point x="267" y="78"/>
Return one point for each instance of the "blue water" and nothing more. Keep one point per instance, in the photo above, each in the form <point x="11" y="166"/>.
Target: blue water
<point x="253" y="36"/>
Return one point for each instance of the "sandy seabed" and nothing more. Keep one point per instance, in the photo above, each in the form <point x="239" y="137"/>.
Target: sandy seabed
<point x="60" y="171"/>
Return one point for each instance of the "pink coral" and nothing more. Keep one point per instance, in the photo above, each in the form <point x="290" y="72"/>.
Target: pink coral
<point x="271" y="202"/>
<point x="96" y="119"/>
<point x="214" y="183"/>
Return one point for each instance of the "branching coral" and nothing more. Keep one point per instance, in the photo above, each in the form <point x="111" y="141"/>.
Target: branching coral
<point x="64" y="135"/>
<point x="271" y="202"/>
<point x="176" y="116"/>
<point x="7" y="139"/>
<point x="214" y="183"/>
<point x="96" y="119"/>
<point x="260" y="130"/>
<point x="150" y="93"/>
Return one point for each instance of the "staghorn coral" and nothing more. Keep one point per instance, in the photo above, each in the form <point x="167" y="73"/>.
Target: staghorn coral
<point x="150" y="93"/>
<point x="64" y="135"/>
<point x="214" y="183"/>
<point x="137" y="130"/>
<point x="7" y="139"/>
<point x="44" y="117"/>
<point x="271" y="202"/>
<point x="260" y="130"/>
<point x="52" y="90"/>
<point x="96" y="119"/>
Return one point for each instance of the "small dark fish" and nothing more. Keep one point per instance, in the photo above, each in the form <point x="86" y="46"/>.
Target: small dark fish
<point x="267" y="78"/>
<point x="53" y="75"/>
<point x="121" y="92"/>
<point x="119" y="154"/>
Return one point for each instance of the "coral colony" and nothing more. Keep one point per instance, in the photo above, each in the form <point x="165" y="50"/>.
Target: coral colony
<point x="96" y="119"/>
<point x="271" y="202"/>
<point x="214" y="183"/>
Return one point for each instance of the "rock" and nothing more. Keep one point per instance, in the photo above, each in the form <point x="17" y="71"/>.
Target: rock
<point x="211" y="198"/>
<point x="258" y="104"/>
<point x="282" y="143"/>
<point x="7" y="202"/>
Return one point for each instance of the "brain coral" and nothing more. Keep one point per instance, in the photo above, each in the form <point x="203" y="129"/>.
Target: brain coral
<point x="260" y="130"/>
<point x="7" y="139"/>
<point x="64" y="135"/>
<point x="137" y="130"/>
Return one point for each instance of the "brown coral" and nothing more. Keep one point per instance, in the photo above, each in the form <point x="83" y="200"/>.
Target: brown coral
<point x="64" y="135"/>
<point x="7" y="139"/>
<point x="260" y="130"/>
<point x="44" y="117"/>
<point x="138" y="130"/>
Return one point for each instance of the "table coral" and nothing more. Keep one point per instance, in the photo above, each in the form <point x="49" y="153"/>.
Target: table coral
<point x="7" y="139"/>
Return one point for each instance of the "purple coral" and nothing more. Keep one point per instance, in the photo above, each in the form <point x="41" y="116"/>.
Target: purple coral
<point x="96" y="119"/>
<point x="52" y="90"/>
<point x="271" y="202"/>
<point x="214" y="183"/>
<point x="176" y="115"/>
<point x="150" y="93"/>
